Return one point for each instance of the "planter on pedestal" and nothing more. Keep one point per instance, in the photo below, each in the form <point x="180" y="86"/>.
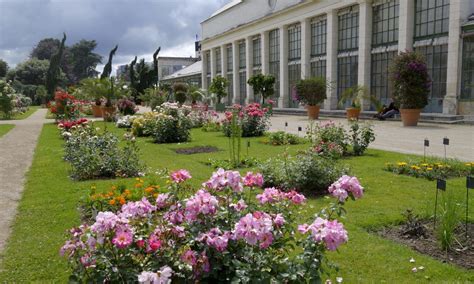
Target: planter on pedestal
<point x="96" y="110"/>
<point x="313" y="112"/>
<point x="410" y="117"/>
<point x="220" y="107"/>
<point x="108" y="113"/>
<point x="352" y="113"/>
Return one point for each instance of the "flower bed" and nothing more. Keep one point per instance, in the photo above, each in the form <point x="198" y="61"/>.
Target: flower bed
<point x="252" y="118"/>
<point x="432" y="170"/>
<point x="226" y="231"/>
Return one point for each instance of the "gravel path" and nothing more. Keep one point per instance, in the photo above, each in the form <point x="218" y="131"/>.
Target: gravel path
<point x="16" y="155"/>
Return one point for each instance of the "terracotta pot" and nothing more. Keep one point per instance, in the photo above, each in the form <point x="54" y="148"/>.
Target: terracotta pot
<point x="108" y="113"/>
<point x="352" y="113"/>
<point x="96" y="110"/>
<point x="313" y="112"/>
<point x="410" y="117"/>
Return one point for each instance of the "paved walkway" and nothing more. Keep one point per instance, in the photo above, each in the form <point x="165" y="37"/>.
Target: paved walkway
<point x="16" y="155"/>
<point x="392" y="136"/>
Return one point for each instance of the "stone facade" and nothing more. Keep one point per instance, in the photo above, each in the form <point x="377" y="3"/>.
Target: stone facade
<point x="359" y="37"/>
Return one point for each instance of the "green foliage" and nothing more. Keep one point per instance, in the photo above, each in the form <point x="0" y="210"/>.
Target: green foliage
<point x="45" y="49"/>
<point x="172" y="129"/>
<point x="311" y="91"/>
<point x="83" y="61"/>
<point x="54" y="71"/>
<point x="235" y="140"/>
<point x="282" y="138"/>
<point x="93" y="154"/>
<point x="262" y="85"/>
<point x="411" y="81"/>
<point x="361" y="137"/>
<point x="153" y="97"/>
<point x="449" y="220"/>
<point x="196" y="94"/>
<point x="6" y="98"/>
<point x="218" y="87"/>
<point x="3" y="68"/>
<point x="354" y="95"/>
<point x="328" y="132"/>
<point x="93" y="89"/>
<point x="180" y="91"/>
<point x="431" y="168"/>
<point x="108" y="67"/>
<point x="31" y="72"/>
<point x="306" y="172"/>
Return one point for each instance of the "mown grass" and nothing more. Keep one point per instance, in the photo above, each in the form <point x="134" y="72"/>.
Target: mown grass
<point x="25" y="115"/>
<point x="4" y="128"/>
<point x="49" y="207"/>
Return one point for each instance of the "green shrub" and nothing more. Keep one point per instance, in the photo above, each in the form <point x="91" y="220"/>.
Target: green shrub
<point x="282" y="138"/>
<point x="361" y="136"/>
<point x="306" y="172"/>
<point x="94" y="155"/>
<point x="171" y="129"/>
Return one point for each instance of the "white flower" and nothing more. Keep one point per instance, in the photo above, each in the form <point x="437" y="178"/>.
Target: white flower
<point x="412" y="260"/>
<point x="163" y="276"/>
<point x="339" y="279"/>
<point x="421" y="268"/>
<point x="414" y="270"/>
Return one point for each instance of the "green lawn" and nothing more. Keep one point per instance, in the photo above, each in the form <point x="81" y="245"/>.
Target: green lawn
<point x="48" y="209"/>
<point x="4" y="128"/>
<point x="26" y="114"/>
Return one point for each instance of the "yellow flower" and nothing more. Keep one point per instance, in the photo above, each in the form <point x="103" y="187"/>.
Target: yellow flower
<point x="468" y="164"/>
<point x="429" y="169"/>
<point x="402" y="164"/>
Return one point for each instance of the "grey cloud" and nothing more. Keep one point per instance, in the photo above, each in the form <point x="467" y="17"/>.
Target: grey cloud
<point x="137" y="26"/>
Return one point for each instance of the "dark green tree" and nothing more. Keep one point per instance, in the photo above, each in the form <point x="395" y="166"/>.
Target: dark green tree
<point x="108" y="67"/>
<point x="45" y="49"/>
<point x="155" y="66"/>
<point x="30" y="72"/>
<point x="133" y="77"/>
<point x="3" y="68"/>
<point x="84" y="60"/>
<point x="54" y="71"/>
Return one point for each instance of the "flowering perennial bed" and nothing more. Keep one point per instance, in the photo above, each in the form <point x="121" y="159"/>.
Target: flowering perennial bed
<point x="228" y="230"/>
<point x="431" y="170"/>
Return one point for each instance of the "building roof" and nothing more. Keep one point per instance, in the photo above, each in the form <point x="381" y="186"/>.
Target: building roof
<point x="225" y="8"/>
<point x="193" y="69"/>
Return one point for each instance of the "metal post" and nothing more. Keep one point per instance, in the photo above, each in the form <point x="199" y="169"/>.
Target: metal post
<point x="469" y="185"/>
<point x="440" y="185"/>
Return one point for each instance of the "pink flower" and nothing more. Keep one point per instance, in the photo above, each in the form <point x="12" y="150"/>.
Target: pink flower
<point x="346" y="186"/>
<point x="331" y="233"/>
<point x="123" y="239"/>
<point x="175" y="215"/>
<point x="253" y="180"/>
<point x="201" y="203"/>
<point x="279" y="220"/>
<point x="222" y="179"/>
<point x="190" y="257"/>
<point x="295" y="197"/>
<point x="162" y="276"/>
<point x="240" y="206"/>
<point x="216" y="239"/>
<point x="180" y="176"/>
<point x="87" y="261"/>
<point x="255" y="228"/>
<point x="154" y="243"/>
<point x="138" y="209"/>
<point x="270" y="195"/>
<point x="161" y="200"/>
<point x="105" y="221"/>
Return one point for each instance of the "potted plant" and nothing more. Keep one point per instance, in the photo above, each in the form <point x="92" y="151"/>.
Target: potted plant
<point x="118" y="89"/>
<point x="208" y="99"/>
<point x="180" y="91"/>
<point x="354" y="96"/>
<point x="94" y="89"/>
<point x="311" y="92"/>
<point x="196" y="94"/>
<point x="218" y="87"/>
<point x="263" y="85"/>
<point x="412" y="85"/>
<point x="153" y="97"/>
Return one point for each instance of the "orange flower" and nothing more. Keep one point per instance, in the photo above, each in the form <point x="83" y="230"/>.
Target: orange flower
<point x="122" y="200"/>
<point x="149" y="189"/>
<point x="113" y="187"/>
<point x="112" y="202"/>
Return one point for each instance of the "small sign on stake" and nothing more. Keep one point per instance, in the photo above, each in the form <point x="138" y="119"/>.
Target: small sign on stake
<point x="469" y="185"/>
<point x="427" y="144"/>
<point x="445" y="143"/>
<point x="440" y="185"/>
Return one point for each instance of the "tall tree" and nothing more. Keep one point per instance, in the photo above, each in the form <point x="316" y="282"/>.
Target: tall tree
<point x="45" y="48"/>
<point x="84" y="60"/>
<point x="133" y="77"/>
<point x="52" y="77"/>
<point x="3" y="68"/>
<point x="155" y="66"/>
<point x="108" y="66"/>
<point x="30" y="72"/>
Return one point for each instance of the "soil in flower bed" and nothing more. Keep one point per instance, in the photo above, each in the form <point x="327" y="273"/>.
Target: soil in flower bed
<point x="461" y="254"/>
<point x="196" y="150"/>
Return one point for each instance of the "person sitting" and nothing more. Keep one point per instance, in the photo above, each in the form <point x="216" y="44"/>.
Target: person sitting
<point x="388" y="112"/>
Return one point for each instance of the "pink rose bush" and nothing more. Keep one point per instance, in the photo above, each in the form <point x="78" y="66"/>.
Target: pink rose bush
<point x="229" y="230"/>
<point x="253" y="118"/>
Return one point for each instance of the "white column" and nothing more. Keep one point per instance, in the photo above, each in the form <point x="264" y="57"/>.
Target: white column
<point x="284" y="99"/>
<point x="406" y="25"/>
<point x="213" y="64"/>
<point x="265" y="48"/>
<point x="306" y="48"/>
<point x="457" y="11"/>
<point x="235" y="61"/>
<point x="204" y="70"/>
<point x="224" y="60"/>
<point x="365" y="46"/>
<point x="331" y="60"/>
<point x="249" y="66"/>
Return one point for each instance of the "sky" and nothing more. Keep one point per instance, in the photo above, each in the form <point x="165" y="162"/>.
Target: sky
<point x="137" y="26"/>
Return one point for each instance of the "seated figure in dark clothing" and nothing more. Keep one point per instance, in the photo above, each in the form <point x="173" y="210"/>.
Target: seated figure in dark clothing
<point x="388" y="112"/>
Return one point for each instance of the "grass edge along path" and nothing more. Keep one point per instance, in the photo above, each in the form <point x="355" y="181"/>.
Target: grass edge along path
<point x="25" y="115"/>
<point x="49" y="208"/>
<point x="4" y="128"/>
